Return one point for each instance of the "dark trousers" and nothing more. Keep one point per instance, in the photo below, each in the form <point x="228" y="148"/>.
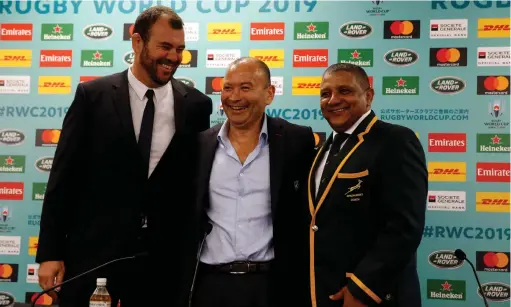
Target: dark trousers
<point x="230" y="290"/>
<point x="131" y="281"/>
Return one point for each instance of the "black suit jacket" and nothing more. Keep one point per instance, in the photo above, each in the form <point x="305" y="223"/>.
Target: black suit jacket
<point x="97" y="186"/>
<point x="291" y="152"/>
<point x="370" y="218"/>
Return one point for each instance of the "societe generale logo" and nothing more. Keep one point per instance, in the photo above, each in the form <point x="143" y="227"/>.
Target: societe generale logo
<point x="493" y="171"/>
<point x="267" y="31"/>
<point x="492" y="201"/>
<point x="447" y="171"/>
<point x="447" y="142"/>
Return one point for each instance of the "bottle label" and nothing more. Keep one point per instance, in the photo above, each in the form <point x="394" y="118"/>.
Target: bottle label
<point x="100" y="304"/>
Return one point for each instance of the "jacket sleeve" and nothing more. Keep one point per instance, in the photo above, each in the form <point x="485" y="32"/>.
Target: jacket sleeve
<point x="63" y="182"/>
<point x="402" y="180"/>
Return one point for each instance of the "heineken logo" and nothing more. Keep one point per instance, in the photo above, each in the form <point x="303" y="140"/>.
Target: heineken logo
<point x="129" y="57"/>
<point x="359" y="57"/>
<point x="57" y="32"/>
<point x="495" y="291"/>
<point x="401" y="57"/>
<point x="356" y="29"/>
<point x="442" y="289"/>
<point x="98" y="31"/>
<point x="405" y="85"/>
<point x="12" y="164"/>
<point x="44" y="164"/>
<point x="97" y="58"/>
<point x="11" y="137"/>
<point x="38" y="190"/>
<point x="493" y="143"/>
<point x="311" y="30"/>
<point x="447" y="85"/>
<point x="186" y="81"/>
<point x="444" y="259"/>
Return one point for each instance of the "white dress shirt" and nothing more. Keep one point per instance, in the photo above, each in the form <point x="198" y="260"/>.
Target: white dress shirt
<point x="164" y="121"/>
<point x="321" y="167"/>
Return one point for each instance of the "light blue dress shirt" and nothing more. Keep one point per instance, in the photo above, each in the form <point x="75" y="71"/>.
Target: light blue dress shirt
<point x="240" y="204"/>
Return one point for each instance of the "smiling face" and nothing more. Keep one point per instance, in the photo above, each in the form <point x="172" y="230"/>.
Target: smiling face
<point x="245" y="94"/>
<point x="160" y="56"/>
<point x="343" y="100"/>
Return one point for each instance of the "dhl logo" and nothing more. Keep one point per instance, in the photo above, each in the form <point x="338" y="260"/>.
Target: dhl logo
<point x="306" y="85"/>
<point x="272" y="58"/>
<point x="218" y="31"/>
<point x="493" y="27"/>
<point x="15" y="58"/>
<point x="447" y="171"/>
<point x="492" y="201"/>
<point x="54" y="85"/>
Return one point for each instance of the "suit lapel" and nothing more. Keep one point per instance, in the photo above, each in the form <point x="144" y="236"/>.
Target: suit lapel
<point x="180" y="93"/>
<point x="316" y="163"/>
<point x="276" y="142"/>
<point x="121" y="101"/>
<point x="208" y="145"/>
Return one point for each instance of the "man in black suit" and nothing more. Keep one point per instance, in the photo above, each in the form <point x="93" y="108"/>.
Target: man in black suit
<point x="251" y="169"/>
<point x="367" y="201"/>
<point x="119" y="184"/>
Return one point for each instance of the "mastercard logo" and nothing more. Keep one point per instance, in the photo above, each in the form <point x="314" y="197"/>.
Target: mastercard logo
<point x="6" y="270"/>
<point x="401" y="27"/>
<point x="494" y="83"/>
<point x="496" y="260"/>
<point x="47" y="137"/>
<point x="448" y="55"/>
<point x="214" y="85"/>
<point x="189" y="59"/>
<point x="44" y="300"/>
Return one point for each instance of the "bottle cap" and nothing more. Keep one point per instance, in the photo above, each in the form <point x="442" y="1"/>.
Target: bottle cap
<point x="101" y="281"/>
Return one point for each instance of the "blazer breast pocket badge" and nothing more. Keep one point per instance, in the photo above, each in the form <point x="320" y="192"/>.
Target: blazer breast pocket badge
<point x="354" y="194"/>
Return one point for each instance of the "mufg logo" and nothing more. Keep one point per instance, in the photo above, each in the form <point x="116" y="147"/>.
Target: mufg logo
<point x="443" y="5"/>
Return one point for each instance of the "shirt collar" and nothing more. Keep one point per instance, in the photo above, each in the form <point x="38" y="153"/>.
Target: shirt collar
<point x="263" y="135"/>
<point x="140" y="88"/>
<point x="355" y="125"/>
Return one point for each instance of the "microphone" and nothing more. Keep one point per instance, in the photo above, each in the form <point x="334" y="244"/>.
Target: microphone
<point x="207" y="230"/>
<point x="462" y="256"/>
<point x="54" y="288"/>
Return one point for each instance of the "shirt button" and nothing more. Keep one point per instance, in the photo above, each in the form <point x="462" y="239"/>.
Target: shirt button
<point x="326" y="163"/>
<point x="323" y="180"/>
<point x="315" y="228"/>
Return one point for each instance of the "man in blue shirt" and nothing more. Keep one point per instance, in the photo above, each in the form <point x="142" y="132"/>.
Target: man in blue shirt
<point x="251" y="172"/>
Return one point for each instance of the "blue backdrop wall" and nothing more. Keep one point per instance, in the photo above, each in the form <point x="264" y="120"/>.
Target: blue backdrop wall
<point x="438" y="67"/>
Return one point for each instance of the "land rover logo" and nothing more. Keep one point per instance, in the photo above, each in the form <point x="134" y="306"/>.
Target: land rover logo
<point x="447" y="85"/>
<point x="186" y="81"/>
<point x="495" y="291"/>
<point x="44" y="164"/>
<point x="444" y="259"/>
<point x="355" y="29"/>
<point x="129" y="57"/>
<point x="98" y="31"/>
<point x="401" y="57"/>
<point x="6" y="299"/>
<point x="11" y="137"/>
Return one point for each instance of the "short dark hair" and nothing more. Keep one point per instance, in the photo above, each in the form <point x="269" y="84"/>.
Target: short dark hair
<point x="148" y="18"/>
<point x="261" y="65"/>
<point x="356" y="70"/>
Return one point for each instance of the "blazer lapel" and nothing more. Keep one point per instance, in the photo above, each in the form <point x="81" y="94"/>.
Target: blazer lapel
<point x="179" y="92"/>
<point x="208" y="145"/>
<point x="276" y="143"/>
<point x="121" y="101"/>
<point x="315" y="166"/>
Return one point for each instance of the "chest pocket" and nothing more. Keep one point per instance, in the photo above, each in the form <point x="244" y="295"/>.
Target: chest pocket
<point x="353" y="188"/>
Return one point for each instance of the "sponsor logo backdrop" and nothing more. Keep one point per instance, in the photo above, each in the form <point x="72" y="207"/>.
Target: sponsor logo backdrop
<point x="438" y="67"/>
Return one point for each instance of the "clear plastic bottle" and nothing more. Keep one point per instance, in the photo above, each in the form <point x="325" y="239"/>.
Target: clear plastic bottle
<point x="100" y="297"/>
